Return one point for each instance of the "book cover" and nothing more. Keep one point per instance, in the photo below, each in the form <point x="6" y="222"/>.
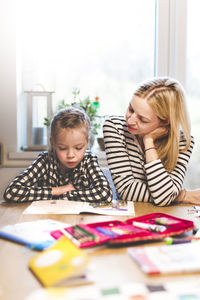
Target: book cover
<point x="62" y="263"/>
<point x="167" y="259"/>
<point x="33" y="234"/>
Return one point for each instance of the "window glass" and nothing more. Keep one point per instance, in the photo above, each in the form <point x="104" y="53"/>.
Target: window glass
<point x="193" y="86"/>
<point x="101" y="47"/>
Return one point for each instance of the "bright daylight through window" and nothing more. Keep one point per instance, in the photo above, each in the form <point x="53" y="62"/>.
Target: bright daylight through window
<point x="92" y="45"/>
<point x="193" y="86"/>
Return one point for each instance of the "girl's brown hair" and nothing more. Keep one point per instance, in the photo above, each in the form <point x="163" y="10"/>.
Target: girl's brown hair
<point x="69" y="117"/>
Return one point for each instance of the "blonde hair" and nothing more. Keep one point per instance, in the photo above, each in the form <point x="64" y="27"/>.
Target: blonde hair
<point x="167" y="98"/>
<point x="69" y="117"/>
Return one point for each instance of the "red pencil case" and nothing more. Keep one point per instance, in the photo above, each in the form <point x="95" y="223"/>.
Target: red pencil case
<point x="154" y="226"/>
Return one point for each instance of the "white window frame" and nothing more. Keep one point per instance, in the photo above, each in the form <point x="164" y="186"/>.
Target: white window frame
<point x="170" y="61"/>
<point x="171" y="39"/>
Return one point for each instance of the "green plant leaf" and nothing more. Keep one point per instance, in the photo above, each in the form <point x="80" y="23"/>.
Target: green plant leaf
<point x="89" y="106"/>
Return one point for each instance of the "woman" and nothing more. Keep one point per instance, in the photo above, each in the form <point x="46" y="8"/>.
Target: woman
<point x="148" y="151"/>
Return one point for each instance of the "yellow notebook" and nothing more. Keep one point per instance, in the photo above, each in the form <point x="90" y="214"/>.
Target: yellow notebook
<point x="62" y="263"/>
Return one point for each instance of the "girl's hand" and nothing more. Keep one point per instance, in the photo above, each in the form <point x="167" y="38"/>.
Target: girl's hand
<point x="57" y="191"/>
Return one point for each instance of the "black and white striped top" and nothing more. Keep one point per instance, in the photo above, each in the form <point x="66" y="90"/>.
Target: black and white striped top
<point x="36" y="182"/>
<point x="134" y="179"/>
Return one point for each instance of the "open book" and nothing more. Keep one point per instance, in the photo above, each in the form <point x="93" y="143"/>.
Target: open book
<point x="115" y="208"/>
<point x="167" y="259"/>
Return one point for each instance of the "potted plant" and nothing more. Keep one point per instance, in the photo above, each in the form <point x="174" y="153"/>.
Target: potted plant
<point x="89" y="106"/>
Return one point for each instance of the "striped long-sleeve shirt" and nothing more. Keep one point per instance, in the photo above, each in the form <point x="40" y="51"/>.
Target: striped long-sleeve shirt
<point x="36" y="182"/>
<point x="134" y="179"/>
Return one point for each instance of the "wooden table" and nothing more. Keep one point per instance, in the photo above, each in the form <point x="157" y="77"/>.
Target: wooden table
<point x="112" y="266"/>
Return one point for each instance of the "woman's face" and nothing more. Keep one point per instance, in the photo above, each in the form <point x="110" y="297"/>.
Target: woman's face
<point x="140" y="117"/>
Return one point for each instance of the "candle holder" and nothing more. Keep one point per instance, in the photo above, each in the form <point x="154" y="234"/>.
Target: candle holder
<point x="39" y="105"/>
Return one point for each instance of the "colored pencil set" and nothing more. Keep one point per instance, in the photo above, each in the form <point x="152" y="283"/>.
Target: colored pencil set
<point x="147" y="227"/>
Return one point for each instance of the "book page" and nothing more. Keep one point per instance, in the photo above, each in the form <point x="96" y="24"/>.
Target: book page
<point x="54" y="207"/>
<point x="116" y="208"/>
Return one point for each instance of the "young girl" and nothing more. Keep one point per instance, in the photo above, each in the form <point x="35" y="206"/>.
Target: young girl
<point x="67" y="171"/>
<point x="147" y="152"/>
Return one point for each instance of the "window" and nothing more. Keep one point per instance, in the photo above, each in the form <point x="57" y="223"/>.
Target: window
<point x="193" y="85"/>
<point x="104" y="48"/>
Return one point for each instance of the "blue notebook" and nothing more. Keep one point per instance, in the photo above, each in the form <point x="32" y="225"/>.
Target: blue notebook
<point x="35" y="234"/>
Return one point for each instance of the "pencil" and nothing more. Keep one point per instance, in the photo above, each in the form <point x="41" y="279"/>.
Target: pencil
<point x="86" y="233"/>
<point x="148" y="226"/>
<point x="171" y="241"/>
<point x="69" y="236"/>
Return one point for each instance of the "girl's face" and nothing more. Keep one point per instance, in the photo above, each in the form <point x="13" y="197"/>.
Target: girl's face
<point x="70" y="146"/>
<point x="140" y="117"/>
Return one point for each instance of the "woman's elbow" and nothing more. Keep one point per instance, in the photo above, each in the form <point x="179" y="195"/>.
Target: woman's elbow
<point x="162" y="202"/>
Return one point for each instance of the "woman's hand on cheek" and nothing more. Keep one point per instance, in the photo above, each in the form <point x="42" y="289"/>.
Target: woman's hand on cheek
<point x="157" y="133"/>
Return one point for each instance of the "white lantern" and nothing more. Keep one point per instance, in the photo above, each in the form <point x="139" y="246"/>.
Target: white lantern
<point x="39" y="106"/>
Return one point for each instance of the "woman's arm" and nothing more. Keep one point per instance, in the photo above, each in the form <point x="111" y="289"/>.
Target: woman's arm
<point x="165" y="187"/>
<point x="189" y="197"/>
<point x="125" y="161"/>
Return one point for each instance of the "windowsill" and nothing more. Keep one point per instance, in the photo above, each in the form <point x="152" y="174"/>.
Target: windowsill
<point x="24" y="158"/>
<point x="23" y="155"/>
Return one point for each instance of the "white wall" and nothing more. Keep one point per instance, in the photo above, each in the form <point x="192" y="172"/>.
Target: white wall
<point x="8" y="92"/>
<point x="7" y="175"/>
